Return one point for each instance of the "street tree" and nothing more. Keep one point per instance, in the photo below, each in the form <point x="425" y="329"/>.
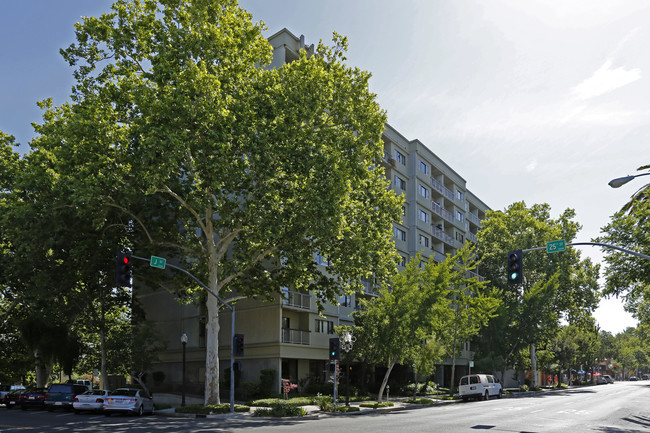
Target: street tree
<point x="626" y="275"/>
<point x="555" y="286"/>
<point x="472" y="303"/>
<point x="244" y="172"/>
<point x="391" y="327"/>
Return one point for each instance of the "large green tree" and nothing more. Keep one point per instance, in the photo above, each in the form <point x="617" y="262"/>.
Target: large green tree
<point x="244" y="171"/>
<point x="556" y="286"/>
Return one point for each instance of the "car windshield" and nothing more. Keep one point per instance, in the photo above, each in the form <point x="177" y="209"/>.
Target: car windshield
<point x="60" y="388"/>
<point x="96" y="392"/>
<point x="125" y="392"/>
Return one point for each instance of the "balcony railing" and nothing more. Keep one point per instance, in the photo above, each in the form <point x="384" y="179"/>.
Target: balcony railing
<point x="471" y="237"/>
<point x="438" y="186"/>
<point x="295" y="336"/>
<point x="442" y="211"/>
<point x="297" y="300"/>
<point x="473" y="218"/>
<point x="443" y="236"/>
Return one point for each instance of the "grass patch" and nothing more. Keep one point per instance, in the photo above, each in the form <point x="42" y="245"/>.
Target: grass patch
<point x="200" y="409"/>
<point x="445" y="397"/>
<point x="377" y="405"/>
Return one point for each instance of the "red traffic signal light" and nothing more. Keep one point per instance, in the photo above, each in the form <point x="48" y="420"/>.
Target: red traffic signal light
<point x="123" y="270"/>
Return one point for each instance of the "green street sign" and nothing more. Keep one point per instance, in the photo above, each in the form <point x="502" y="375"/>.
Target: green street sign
<point x="555" y="246"/>
<point x="157" y="262"/>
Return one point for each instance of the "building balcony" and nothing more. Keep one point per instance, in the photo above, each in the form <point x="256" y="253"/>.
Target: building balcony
<point x="438" y="186"/>
<point x="471" y="237"/>
<point x="296" y="300"/>
<point x="473" y="218"/>
<point x="295" y="336"/>
<point x="439" y="210"/>
<point x="438" y="233"/>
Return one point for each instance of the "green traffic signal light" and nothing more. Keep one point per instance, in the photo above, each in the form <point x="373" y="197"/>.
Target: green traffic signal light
<point x="515" y="267"/>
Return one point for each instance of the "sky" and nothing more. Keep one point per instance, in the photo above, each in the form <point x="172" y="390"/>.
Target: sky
<point x="540" y="101"/>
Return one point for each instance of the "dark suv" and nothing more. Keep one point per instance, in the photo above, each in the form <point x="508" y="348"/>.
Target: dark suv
<point x="61" y="395"/>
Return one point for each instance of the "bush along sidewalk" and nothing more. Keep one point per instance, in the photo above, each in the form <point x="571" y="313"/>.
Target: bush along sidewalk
<point x="280" y="409"/>
<point x="200" y="409"/>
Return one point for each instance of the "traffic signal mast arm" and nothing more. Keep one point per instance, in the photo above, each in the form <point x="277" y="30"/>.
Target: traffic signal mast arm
<point x="232" y="327"/>
<point x="598" y="245"/>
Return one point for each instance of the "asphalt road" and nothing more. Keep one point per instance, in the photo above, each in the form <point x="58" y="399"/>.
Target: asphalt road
<point x="620" y="408"/>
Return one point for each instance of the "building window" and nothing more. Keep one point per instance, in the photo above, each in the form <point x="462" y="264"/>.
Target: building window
<point x="423" y="216"/>
<point x="321" y="260"/>
<point x="403" y="210"/>
<point x="324" y="326"/>
<point x="400" y="183"/>
<point x="460" y="238"/>
<point x="424" y="167"/>
<point x="399" y="156"/>
<point x="424" y="241"/>
<point x="460" y="216"/>
<point x="402" y="261"/>
<point x="399" y="234"/>
<point x="424" y="191"/>
<point x="345" y="301"/>
<point x="460" y="195"/>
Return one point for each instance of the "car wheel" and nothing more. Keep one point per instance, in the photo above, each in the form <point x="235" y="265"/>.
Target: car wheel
<point x="500" y="393"/>
<point x="22" y="407"/>
<point x="107" y="414"/>
<point x="77" y="412"/>
<point x="465" y="399"/>
<point x="153" y="410"/>
<point x="486" y="397"/>
<point x="140" y="411"/>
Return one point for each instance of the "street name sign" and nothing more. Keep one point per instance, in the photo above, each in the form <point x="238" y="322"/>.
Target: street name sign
<point x="555" y="246"/>
<point x="157" y="262"/>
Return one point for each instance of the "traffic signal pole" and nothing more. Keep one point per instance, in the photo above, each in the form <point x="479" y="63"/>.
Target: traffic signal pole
<point x="232" y="327"/>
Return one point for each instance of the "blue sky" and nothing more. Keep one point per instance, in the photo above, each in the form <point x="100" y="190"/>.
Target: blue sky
<point x="541" y="101"/>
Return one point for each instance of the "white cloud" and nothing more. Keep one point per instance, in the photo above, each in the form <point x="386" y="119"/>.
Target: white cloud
<point x="605" y="80"/>
<point x="531" y="166"/>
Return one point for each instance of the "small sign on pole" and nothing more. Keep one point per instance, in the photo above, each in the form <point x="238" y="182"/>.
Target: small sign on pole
<point x="555" y="246"/>
<point x="157" y="262"/>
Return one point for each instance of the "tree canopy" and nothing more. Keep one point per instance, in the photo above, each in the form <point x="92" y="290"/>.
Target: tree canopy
<point x="241" y="171"/>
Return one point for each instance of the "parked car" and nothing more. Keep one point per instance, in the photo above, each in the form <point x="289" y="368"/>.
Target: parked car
<point x="60" y="395"/>
<point x="32" y="398"/>
<point x="6" y="389"/>
<point x="479" y="386"/>
<point x="633" y="378"/>
<point x="91" y="400"/>
<point x="10" y="399"/>
<point x="128" y="400"/>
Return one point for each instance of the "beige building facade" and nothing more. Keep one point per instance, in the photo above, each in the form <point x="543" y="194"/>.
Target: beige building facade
<point x="288" y="335"/>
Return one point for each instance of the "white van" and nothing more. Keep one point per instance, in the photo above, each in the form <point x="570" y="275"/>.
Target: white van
<point x="479" y="386"/>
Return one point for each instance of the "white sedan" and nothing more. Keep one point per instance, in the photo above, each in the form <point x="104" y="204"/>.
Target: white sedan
<point x="91" y="400"/>
<point x="128" y="400"/>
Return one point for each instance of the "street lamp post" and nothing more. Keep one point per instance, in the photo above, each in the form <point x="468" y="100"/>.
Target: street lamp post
<point x="184" y="343"/>
<point x="620" y="181"/>
<point x="347" y="340"/>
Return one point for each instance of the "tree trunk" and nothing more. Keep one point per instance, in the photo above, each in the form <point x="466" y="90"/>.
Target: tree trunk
<point x="452" y="382"/>
<point x="380" y="395"/>
<point x="533" y="364"/>
<point x="212" y="352"/>
<point x="42" y="370"/>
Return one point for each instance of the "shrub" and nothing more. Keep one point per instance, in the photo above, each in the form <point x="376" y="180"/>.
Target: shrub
<point x="346" y="409"/>
<point x="280" y="409"/>
<point x="294" y="401"/>
<point x="324" y="402"/>
<point x="267" y="382"/>
<point x="211" y="408"/>
<point x="418" y="400"/>
<point x="524" y="388"/>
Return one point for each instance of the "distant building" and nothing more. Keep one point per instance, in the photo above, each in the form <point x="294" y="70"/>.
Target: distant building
<point x="288" y="335"/>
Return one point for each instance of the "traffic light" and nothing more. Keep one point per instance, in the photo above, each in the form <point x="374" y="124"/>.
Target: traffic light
<point x="335" y="349"/>
<point x="515" y="267"/>
<point x="238" y="344"/>
<point x="123" y="270"/>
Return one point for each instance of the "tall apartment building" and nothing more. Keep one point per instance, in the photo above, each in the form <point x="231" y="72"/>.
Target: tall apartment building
<point x="288" y="335"/>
